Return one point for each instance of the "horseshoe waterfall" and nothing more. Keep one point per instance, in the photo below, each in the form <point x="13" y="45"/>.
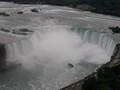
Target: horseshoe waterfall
<point x="45" y="47"/>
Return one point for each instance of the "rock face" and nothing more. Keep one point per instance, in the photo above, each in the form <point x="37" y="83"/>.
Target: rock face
<point x="22" y="31"/>
<point x="2" y="58"/>
<point x="115" y="29"/>
<point x="115" y="59"/>
<point x="75" y="86"/>
<point x="5" y="66"/>
<point x="107" y="76"/>
<point x="8" y="36"/>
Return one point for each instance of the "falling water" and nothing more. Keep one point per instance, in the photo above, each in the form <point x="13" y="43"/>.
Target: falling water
<point x="47" y="54"/>
<point x="27" y="45"/>
<point x="100" y="39"/>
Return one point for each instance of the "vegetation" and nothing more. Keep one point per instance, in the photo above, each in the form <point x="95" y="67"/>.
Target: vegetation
<point x="106" y="78"/>
<point x="115" y="29"/>
<point x="107" y="7"/>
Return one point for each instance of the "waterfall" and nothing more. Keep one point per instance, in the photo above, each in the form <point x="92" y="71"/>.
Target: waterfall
<point x="17" y="48"/>
<point x="26" y="46"/>
<point x="101" y="39"/>
<point x="50" y="51"/>
<point x="21" y="47"/>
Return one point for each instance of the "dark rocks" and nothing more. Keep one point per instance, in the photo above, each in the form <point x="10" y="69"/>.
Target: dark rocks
<point x="4" y="30"/>
<point x="5" y="65"/>
<point x="4" y="14"/>
<point x="25" y="30"/>
<point x="2" y="58"/>
<point x="115" y="29"/>
<point x="70" y="65"/>
<point x="19" y="12"/>
<point x="18" y="33"/>
<point x="74" y="86"/>
<point x="35" y="10"/>
<point x="51" y="17"/>
<point x="8" y="66"/>
<point x="2" y="52"/>
<point x="107" y="76"/>
<point x="22" y="31"/>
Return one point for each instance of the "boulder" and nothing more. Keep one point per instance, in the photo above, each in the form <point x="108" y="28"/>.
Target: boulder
<point x="4" y="30"/>
<point x="4" y="14"/>
<point x="20" y="12"/>
<point x="22" y="31"/>
<point x="25" y="30"/>
<point x="35" y="10"/>
<point x="70" y="65"/>
<point x="51" y="17"/>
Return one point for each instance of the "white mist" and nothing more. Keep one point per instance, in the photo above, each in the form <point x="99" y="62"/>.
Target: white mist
<point x="53" y="51"/>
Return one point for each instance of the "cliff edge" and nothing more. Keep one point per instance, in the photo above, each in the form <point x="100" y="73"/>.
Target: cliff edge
<point x="107" y="77"/>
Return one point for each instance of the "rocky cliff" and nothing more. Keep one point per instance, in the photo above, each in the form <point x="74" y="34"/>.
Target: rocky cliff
<point x="2" y="57"/>
<point x="107" y="77"/>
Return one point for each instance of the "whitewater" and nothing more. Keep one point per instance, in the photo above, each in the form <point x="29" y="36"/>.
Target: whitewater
<point x="70" y="37"/>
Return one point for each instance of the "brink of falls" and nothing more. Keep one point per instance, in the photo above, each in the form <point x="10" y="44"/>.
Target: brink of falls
<point x="25" y="46"/>
<point x="52" y="50"/>
<point x="52" y="53"/>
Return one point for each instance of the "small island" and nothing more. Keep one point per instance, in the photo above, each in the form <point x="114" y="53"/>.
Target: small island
<point x="115" y="29"/>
